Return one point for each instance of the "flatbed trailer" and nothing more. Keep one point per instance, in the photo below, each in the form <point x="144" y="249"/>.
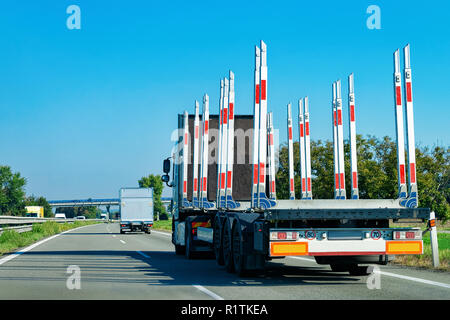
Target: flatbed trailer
<point x="223" y="205"/>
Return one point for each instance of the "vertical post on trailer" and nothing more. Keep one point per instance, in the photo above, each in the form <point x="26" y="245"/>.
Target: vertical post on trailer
<point x="219" y="147"/>
<point x="402" y="191"/>
<point x="290" y="154"/>
<point x="195" y="198"/>
<point x="204" y="203"/>
<point x="255" y="162"/>
<point x="412" y="201"/>
<point x="302" y="148"/>
<point x="230" y="203"/>
<point x="271" y="160"/>
<point x="307" y="153"/>
<point x="352" y="126"/>
<point x="200" y="156"/>
<point x="185" y="158"/>
<point x="223" y="178"/>
<point x="335" y="146"/>
<point x="264" y="202"/>
<point x="433" y="239"/>
<point x="340" y="135"/>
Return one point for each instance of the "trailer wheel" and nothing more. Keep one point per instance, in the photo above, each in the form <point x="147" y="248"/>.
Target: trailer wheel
<point x="339" y="267"/>
<point x="227" y="247"/>
<point x="356" y="270"/>
<point x="217" y="242"/>
<point x="238" y="257"/>
<point x="188" y="250"/>
<point x="179" y="249"/>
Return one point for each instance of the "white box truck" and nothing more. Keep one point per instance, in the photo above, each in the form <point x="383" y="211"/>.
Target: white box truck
<point x="136" y="209"/>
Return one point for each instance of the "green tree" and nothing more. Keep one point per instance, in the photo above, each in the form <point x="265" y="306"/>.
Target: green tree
<point x="155" y="182"/>
<point x="12" y="192"/>
<point x="377" y="172"/>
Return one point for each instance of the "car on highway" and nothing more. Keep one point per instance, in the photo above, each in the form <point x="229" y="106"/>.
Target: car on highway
<point x="80" y="217"/>
<point x="60" y="216"/>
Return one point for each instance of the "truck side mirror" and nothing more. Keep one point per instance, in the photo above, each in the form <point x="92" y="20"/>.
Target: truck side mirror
<point x="166" y="166"/>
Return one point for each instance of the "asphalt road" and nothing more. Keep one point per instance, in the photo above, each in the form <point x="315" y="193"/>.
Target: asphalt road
<point x="141" y="266"/>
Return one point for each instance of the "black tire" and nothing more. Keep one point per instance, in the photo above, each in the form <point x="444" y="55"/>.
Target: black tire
<point x="179" y="250"/>
<point x="188" y="241"/>
<point x="339" y="267"/>
<point x="227" y="245"/>
<point x="217" y="242"/>
<point x="237" y="247"/>
<point x="356" y="270"/>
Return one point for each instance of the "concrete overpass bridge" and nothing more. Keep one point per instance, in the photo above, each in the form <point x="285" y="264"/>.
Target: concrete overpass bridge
<point x="95" y="202"/>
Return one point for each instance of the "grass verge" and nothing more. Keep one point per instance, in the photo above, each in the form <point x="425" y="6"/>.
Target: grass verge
<point x="11" y="240"/>
<point x="425" y="260"/>
<point x="163" y="225"/>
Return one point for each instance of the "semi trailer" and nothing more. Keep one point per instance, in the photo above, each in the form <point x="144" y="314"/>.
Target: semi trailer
<point x="223" y="182"/>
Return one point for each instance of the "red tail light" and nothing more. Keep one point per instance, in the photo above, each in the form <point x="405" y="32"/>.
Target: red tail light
<point x="410" y="235"/>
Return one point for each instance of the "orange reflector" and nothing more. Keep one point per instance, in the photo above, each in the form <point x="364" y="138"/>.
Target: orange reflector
<point x="288" y="248"/>
<point x="432" y="223"/>
<point x="404" y="247"/>
<point x="201" y="224"/>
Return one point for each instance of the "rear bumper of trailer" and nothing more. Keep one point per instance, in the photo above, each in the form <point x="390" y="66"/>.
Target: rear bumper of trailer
<point x="343" y="242"/>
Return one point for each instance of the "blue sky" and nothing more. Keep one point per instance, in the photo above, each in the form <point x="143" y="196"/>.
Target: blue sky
<point x="85" y="112"/>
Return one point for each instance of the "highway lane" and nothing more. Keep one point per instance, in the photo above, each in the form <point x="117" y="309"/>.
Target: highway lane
<point x="141" y="266"/>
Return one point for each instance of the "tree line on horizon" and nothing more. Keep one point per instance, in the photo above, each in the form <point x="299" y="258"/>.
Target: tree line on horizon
<point x="377" y="172"/>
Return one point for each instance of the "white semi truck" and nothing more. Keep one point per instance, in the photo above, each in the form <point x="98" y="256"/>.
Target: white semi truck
<point x="224" y="197"/>
<point x="136" y="209"/>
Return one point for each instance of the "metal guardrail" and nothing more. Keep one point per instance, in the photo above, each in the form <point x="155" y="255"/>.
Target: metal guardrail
<point x="18" y="229"/>
<point x="22" y="224"/>
<point x="12" y="220"/>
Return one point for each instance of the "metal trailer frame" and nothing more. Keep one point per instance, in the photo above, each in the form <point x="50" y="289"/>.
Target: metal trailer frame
<point x="243" y="238"/>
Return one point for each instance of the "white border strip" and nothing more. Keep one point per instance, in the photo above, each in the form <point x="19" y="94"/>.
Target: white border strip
<point x="433" y="283"/>
<point x="164" y="233"/>
<point x="394" y="275"/>
<point x="208" y="292"/>
<point x="143" y="254"/>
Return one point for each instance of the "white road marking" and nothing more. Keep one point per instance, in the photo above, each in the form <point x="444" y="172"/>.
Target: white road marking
<point x="122" y="241"/>
<point x="208" y="292"/>
<point x="433" y="283"/>
<point x="394" y="275"/>
<point x="114" y="235"/>
<point x="164" y="233"/>
<point x="16" y="254"/>
<point x="143" y="254"/>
